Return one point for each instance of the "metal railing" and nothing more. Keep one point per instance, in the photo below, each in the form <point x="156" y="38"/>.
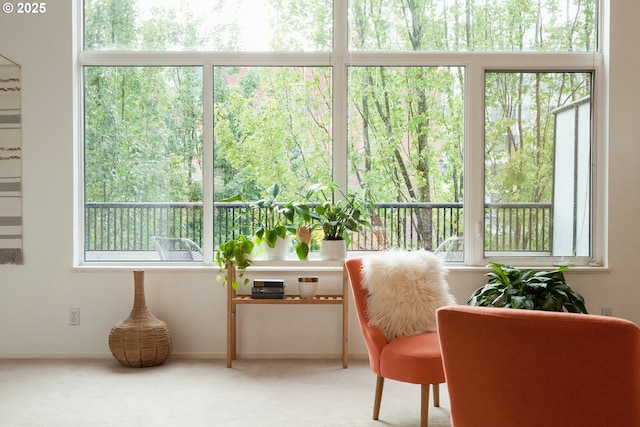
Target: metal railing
<point x="522" y="227"/>
<point x="509" y="227"/>
<point x="130" y="226"/>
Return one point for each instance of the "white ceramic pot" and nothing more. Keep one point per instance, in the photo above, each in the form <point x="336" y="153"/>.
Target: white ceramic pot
<point x="331" y="250"/>
<point x="279" y="252"/>
<point x="308" y="287"/>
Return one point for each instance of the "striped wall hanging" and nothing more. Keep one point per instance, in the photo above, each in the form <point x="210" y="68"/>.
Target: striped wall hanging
<point x="10" y="163"/>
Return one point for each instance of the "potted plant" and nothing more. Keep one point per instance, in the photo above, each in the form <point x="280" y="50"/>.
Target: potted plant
<point x="528" y="289"/>
<point x="338" y="217"/>
<point x="304" y="228"/>
<point x="275" y="222"/>
<point x="234" y="255"/>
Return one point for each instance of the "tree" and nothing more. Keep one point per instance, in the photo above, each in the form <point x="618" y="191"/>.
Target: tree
<point x="274" y="124"/>
<point x="408" y="129"/>
<point x="143" y="126"/>
<point x="275" y="127"/>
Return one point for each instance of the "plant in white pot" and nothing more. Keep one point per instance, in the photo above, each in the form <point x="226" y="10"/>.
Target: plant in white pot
<point x="275" y="223"/>
<point x="339" y="215"/>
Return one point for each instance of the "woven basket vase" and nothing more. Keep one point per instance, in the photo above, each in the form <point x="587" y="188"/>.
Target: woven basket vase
<point x="141" y="339"/>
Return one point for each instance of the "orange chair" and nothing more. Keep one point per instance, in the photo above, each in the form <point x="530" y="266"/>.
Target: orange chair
<point x="509" y="367"/>
<point x="413" y="359"/>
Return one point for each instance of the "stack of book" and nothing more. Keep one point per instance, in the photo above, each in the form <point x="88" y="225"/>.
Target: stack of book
<point x="267" y="289"/>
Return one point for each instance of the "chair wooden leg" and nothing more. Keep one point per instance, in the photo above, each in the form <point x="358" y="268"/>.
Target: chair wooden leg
<point x="424" y="405"/>
<point x="378" y="398"/>
<point x="436" y="395"/>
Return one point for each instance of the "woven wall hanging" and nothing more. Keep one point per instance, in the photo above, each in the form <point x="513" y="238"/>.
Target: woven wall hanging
<point x="10" y="163"/>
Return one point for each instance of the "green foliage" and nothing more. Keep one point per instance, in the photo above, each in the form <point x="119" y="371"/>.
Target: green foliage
<point x="109" y="23"/>
<point x="313" y="16"/>
<point x="406" y="136"/>
<point x="339" y="216"/>
<point x="307" y="222"/>
<point x="274" y="126"/>
<point x="236" y="251"/>
<point x="302" y="250"/>
<point x="143" y="136"/>
<point x="144" y="125"/>
<point x="512" y="287"/>
<point x="519" y="150"/>
<point x="276" y="219"/>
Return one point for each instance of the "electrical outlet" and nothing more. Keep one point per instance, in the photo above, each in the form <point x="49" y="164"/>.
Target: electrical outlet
<point x="74" y="316"/>
<point x="606" y="311"/>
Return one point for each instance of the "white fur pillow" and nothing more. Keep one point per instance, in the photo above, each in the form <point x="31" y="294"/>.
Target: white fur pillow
<point x="405" y="289"/>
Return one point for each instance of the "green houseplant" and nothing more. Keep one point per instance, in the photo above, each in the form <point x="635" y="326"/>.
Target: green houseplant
<point x="305" y="226"/>
<point x="339" y="216"/>
<point x="234" y="253"/>
<point x="512" y="287"/>
<point x="275" y="218"/>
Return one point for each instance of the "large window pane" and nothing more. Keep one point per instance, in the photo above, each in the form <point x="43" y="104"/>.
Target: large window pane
<point x="406" y="151"/>
<point x="222" y="25"/>
<point x="396" y="134"/>
<point x="272" y="125"/>
<point x="538" y="164"/>
<point x="471" y="25"/>
<point x="143" y="160"/>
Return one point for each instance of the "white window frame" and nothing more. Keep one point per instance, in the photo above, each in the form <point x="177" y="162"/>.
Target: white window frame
<point x="340" y="59"/>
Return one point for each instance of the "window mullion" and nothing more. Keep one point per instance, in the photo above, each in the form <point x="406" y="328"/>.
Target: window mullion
<point x="207" y="160"/>
<point x="340" y="102"/>
<point x="474" y="163"/>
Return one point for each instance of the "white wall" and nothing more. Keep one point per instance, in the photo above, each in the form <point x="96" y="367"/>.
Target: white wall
<point x="35" y="297"/>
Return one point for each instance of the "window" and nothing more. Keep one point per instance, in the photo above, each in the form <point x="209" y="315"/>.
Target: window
<point x="537" y="164"/>
<point x="143" y="158"/>
<point x="221" y="25"/>
<point x="271" y="124"/>
<point x="471" y="125"/>
<point x="406" y="147"/>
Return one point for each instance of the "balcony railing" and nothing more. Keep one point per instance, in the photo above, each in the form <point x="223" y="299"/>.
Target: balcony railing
<point x="509" y="227"/>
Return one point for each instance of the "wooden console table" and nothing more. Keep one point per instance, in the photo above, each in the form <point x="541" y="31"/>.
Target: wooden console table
<point x="233" y="300"/>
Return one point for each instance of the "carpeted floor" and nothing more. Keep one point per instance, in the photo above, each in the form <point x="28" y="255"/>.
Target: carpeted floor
<point x="255" y="393"/>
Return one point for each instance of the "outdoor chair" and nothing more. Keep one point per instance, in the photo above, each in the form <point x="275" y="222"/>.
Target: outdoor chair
<point x="177" y="249"/>
<point x="451" y="249"/>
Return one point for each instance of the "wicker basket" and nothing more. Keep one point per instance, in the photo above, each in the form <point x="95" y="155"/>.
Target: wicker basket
<point x="141" y="339"/>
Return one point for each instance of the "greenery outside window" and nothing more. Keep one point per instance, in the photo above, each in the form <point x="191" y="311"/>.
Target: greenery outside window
<point x="537" y="164"/>
<point x="406" y="149"/>
<point x="471" y="125"/>
<point x="143" y="159"/>
<point x="204" y="25"/>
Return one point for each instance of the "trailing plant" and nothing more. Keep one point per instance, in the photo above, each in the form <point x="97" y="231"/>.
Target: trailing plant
<point x="528" y="289"/>
<point x="236" y="251"/>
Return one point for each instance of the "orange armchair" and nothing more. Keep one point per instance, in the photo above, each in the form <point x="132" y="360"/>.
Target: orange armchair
<point x="509" y="367"/>
<point x="413" y="359"/>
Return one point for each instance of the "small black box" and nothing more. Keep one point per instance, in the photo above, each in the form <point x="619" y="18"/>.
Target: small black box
<point x="261" y="292"/>
<point x="268" y="283"/>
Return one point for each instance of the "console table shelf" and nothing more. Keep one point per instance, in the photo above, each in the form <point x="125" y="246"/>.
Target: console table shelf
<point x="234" y="299"/>
<point x="290" y="299"/>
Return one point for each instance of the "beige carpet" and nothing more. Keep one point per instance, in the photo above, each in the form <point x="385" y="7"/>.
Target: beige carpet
<point x="256" y="393"/>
